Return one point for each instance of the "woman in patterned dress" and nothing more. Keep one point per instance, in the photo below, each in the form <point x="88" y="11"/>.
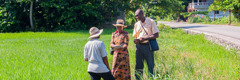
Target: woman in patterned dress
<point x="120" y="65"/>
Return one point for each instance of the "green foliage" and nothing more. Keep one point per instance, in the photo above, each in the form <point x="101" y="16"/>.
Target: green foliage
<point x="54" y="15"/>
<point x="194" y="20"/>
<point x="13" y="17"/>
<point x="130" y="18"/>
<point x="159" y="8"/>
<point x="158" y="18"/>
<point x="225" y="5"/>
<point x="188" y="14"/>
<point x="224" y="20"/>
<point x="65" y="15"/>
<point x="208" y="20"/>
<point x="169" y="18"/>
<point x="205" y="19"/>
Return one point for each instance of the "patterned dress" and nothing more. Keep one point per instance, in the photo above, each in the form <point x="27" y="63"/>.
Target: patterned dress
<point x="120" y="65"/>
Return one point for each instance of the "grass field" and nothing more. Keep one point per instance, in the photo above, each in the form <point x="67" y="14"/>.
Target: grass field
<point x="59" y="56"/>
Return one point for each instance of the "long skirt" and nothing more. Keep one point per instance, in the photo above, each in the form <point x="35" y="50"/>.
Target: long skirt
<point x="120" y="65"/>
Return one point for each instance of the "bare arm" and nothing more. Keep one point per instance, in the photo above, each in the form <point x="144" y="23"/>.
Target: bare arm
<point x="105" y="60"/>
<point x="126" y="40"/>
<point x="154" y="36"/>
<point x="112" y="43"/>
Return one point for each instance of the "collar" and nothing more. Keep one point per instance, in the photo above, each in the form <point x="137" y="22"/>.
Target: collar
<point x="119" y="32"/>
<point x="146" y="20"/>
<point x="93" y="39"/>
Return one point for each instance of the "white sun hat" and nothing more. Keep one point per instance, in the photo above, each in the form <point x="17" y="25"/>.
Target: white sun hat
<point x="120" y="22"/>
<point x="94" y="32"/>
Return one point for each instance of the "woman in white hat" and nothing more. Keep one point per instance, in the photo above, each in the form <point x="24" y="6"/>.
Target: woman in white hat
<point x="119" y="44"/>
<point x="96" y="55"/>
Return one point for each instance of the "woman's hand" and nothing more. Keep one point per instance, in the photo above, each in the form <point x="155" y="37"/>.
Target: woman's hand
<point x="112" y="45"/>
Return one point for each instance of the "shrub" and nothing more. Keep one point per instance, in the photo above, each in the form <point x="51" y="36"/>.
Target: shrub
<point x="130" y="18"/>
<point x="194" y="20"/>
<point x="207" y="20"/>
<point x="168" y="18"/>
<point x="225" y="20"/>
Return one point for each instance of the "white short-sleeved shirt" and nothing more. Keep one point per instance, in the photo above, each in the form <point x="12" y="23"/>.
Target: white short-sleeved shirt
<point x="95" y="50"/>
<point x="149" y="25"/>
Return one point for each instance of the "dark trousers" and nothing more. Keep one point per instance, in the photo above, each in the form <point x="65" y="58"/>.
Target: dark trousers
<point x="98" y="76"/>
<point x="142" y="53"/>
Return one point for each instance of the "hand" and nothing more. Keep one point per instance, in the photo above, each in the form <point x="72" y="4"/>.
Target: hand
<point x="142" y="39"/>
<point x="136" y="41"/>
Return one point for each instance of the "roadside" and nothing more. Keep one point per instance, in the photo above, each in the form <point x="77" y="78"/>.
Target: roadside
<point x="228" y="36"/>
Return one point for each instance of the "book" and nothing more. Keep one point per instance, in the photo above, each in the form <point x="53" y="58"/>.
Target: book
<point x="117" y="47"/>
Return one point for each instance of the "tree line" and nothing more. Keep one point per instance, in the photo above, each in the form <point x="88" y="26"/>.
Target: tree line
<point x="65" y="15"/>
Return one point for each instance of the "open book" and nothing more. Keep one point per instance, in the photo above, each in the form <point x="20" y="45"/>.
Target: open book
<point x="117" y="47"/>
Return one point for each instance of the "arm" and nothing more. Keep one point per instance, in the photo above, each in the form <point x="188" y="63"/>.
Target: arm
<point x="85" y="53"/>
<point x="112" y="44"/>
<point x="135" y="35"/>
<point x="105" y="60"/>
<point x="104" y="55"/>
<point x="126" y="40"/>
<point x="154" y="36"/>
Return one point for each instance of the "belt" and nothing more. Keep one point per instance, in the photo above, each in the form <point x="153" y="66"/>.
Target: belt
<point x="144" y="43"/>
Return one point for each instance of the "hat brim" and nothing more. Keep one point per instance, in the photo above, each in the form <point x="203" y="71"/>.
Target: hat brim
<point x="119" y="25"/>
<point x="96" y="35"/>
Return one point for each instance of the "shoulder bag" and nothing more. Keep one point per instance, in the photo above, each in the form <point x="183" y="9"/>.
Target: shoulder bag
<point x="152" y="43"/>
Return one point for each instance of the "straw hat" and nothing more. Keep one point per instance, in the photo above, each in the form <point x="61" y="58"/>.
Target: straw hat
<point x="120" y="22"/>
<point x="95" y="32"/>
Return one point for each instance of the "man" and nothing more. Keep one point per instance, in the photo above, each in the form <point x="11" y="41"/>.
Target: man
<point x="143" y="27"/>
<point x="96" y="54"/>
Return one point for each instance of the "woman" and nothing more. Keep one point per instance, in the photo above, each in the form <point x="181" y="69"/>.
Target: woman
<point x="119" y="44"/>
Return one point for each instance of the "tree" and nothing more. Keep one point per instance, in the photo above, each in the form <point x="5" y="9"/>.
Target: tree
<point x="30" y="11"/>
<point x="53" y="15"/>
<point x="30" y="16"/>
<point x="236" y="6"/>
<point x="226" y="5"/>
<point x="159" y="7"/>
<point x="214" y="7"/>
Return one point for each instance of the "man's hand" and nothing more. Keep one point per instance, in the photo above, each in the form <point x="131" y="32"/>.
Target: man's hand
<point x="142" y="39"/>
<point x="105" y="60"/>
<point x="136" y="41"/>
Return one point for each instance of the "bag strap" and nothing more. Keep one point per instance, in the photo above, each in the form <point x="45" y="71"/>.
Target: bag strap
<point x="143" y="28"/>
<point x="138" y="32"/>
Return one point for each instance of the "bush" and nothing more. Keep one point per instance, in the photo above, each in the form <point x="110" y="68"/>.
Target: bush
<point x="207" y="20"/>
<point x="194" y="20"/>
<point x="130" y="18"/>
<point x="168" y="18"/>
<point x="55" y="15"/>
<point x="12" y="18"/>
<point x="225" y="20"/>
<point x="163" y="27"/>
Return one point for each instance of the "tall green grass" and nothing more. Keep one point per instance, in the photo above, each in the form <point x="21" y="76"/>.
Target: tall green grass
<point x="184" y="56"/>
<point x="59" y="55"/>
